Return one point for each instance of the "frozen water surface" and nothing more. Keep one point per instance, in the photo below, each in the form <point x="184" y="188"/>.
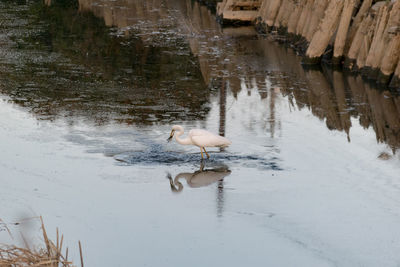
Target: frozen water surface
<point x="89" y="91"/>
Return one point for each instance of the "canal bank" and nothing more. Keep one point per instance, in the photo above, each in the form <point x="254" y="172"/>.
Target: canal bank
<point x="361" y="36"/>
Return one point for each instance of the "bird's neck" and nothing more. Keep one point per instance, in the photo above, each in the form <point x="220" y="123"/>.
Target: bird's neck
<point x="182" y="141"/>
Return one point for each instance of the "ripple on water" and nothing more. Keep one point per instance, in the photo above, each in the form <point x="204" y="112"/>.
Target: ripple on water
<point x="156" y="154"/>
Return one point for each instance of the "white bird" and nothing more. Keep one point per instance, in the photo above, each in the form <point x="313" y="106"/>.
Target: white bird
<point x="200" y="138"/>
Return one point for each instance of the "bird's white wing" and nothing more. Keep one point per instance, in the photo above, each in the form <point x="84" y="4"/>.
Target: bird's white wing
<point x="199" y="132"/>
<point x="203" y="138"/>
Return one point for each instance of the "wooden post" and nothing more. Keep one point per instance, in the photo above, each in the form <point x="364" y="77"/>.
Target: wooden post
<point x="326" y="29"/>
<point x="390" y="58"/>
<point x="272" y="12"/>
<point x="391" y="43"/>
<point x="264" y="8"/>
<point x="280" y="17"/>
<point x="286" y="15"/>
<point x="341" y="35"/>
<point x="365" y="45"/>
<point x="304" y="17"/>
<point x="358" y="41"/>
<point x="378" y="44"/>
<point x="262" y="12"/>
<point x="361" y="14"/>
<point x="294" y="17"/>
<point x="316" y="15"/>
<point x="310" y="11"/>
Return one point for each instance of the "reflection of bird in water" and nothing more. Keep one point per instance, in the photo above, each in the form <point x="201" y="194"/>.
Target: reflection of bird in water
<point x="200" y="138"/>
<point x="200" y="178"/>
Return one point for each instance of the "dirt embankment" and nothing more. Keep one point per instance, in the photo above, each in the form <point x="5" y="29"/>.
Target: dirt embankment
<point x="361" y="35"/>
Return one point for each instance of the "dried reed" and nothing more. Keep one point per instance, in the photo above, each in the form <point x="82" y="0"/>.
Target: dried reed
<point x="49" y="256"/>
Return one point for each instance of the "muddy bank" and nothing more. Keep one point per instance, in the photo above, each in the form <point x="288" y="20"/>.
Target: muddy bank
<point x="362" y="36"/>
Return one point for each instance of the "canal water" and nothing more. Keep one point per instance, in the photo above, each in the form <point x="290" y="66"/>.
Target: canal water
<point x="89" y="92"/>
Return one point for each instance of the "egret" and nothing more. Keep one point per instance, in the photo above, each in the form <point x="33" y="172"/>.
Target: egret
<point x="200" y="138"/>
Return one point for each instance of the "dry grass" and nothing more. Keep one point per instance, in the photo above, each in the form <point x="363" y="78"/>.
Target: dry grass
<point x="48" y="256"/>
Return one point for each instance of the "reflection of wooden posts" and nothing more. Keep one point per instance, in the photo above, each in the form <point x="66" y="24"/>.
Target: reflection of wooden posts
<point x="222" y="109"/>
<point x="356" y="87"/>
<point x="391" y="117"/>
<point x="272" y="112"/>
<point x="220" y="198"/>
<point x="323" y="97"/>
<point x="222" y="120"/>
<point x="384" y="116"/>
<point x="381" y="111"/>
<point x="377" y="113"/>
<point x="339" y="88"/>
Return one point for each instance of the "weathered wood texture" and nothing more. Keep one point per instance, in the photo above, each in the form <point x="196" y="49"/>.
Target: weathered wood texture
<point x="239" y="10"/>
<point x="366" y="35"/>
<point x="344" y="25"/>
<point x="326" y="29"/>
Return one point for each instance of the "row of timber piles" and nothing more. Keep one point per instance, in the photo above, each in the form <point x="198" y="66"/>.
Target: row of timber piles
<point x="361" y="35"/>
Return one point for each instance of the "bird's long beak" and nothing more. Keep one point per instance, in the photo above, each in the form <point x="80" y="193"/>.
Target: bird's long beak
<point x="171" y="135"/>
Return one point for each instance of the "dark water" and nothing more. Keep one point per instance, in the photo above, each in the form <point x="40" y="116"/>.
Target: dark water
<point x="159" y="155"/>
<point x="309" y="146"/>
<point x="147" y="63"/>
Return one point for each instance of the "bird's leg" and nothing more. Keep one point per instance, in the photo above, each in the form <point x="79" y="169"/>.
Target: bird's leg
<point x="201" y="151"/>
<point x="208" y="156"/>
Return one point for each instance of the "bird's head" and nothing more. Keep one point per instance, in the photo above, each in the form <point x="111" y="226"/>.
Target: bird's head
<point x="175" y="128"/>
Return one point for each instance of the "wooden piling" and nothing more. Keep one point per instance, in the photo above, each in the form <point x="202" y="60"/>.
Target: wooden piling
<point x="377" y="46"/>
<point x="360" y="34"/>
<point x="317" y="14"/>
<point x="326" y="29"/>
<point x="342" y="31"/>
<point x="294" y="17"/>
